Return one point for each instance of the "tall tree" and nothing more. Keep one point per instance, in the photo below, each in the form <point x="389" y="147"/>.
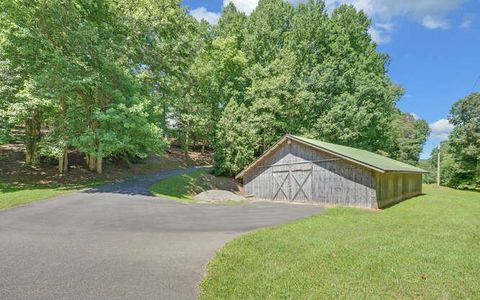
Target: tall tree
<point x="218" y="72"/>
<point x="163" y="42"/>
<point x="309" y="35"/>
<point x="232" y="23"/>
<point x="24" y="45"/>
<point x="409" y="136"/>
<point x="279" y="102"/>
<point x="266" y="30"/>
<point x="355" y="95"/>
<point x="448" y="166"/>
<point x="236" y="143"/>
<point x="10" y="82"/>
<point x="216" y="78"/>
<point x="464" y="142"/>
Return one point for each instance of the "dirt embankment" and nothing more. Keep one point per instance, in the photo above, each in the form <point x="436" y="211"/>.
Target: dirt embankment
<point x="13" y="169"/>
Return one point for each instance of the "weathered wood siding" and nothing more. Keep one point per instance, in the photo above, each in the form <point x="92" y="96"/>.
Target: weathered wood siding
<point x="395" y="187"/>
<point x="335" y="182"/>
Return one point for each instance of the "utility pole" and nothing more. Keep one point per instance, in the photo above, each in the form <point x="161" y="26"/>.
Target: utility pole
<point x="438" y="166"/>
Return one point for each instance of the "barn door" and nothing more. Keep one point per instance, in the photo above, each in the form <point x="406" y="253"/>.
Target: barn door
<point x="301" y="182"/>
<point x="281" y="184"/>
<point x="292" y="182"/>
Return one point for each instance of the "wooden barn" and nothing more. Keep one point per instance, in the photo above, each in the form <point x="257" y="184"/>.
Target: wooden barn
<point x="306" y="170"/>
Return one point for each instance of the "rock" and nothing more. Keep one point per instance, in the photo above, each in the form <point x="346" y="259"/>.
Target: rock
<point x="218" y="196"/>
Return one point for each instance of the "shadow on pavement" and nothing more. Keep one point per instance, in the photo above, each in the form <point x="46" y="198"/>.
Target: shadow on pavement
<point x="139" y="185"/>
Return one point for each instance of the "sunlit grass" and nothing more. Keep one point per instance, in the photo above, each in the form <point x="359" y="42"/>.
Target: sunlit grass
<point x="425" y="248"/>
<point x="185" y="186"/>
<point x="12" y="194"/>
<point x="181" y="187"/>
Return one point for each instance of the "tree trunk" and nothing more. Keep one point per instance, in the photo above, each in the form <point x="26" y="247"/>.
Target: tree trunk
<point x="164" y="116"/>
<point x="63" y="161"/>
<point x="91" y="162"/>
<point x="60" y="164"/>
<point x="32" y="137"/>
<point x="187" y="141"/>
<point x="203" y="148"/>
<point x="99" y="167"/>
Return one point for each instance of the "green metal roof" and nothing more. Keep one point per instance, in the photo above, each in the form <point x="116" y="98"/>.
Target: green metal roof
<point x="364" y="157"/>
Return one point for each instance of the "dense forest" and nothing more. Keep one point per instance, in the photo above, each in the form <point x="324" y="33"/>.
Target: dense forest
<point x="125" y="78"/>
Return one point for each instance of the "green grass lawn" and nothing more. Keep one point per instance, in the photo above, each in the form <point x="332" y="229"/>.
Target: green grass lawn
<point x="425" y="248"/>
<point x="183" y="187"/>
<point x="12" y="195"/>
<point x="180" y="187"/>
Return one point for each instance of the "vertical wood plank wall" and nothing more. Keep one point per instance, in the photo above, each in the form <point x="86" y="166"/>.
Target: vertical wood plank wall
<point x="333" y="183"/>
<point x="395" y="187"/>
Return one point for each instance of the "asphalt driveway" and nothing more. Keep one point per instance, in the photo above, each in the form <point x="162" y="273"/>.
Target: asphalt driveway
<point x="118" y="242"/>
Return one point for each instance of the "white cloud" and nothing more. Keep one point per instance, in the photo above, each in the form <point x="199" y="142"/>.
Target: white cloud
<point x="386" y="9"/>
<point x="385" y="26"/>
<point x="381" y="32"/>
<point x="202" y="13"/>
<point x="378" y="36"/>
<point x="365" y="5"/>
<point x="441" y="129"/>
<point x="246" y="6"/>
<point x="435" y="23"/>
<point x="296" y="2"/>
<point x="430" y="13"/>
<point x="466" y="22"/>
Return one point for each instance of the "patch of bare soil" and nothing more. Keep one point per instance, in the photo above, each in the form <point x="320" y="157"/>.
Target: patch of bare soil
<point x="211" y="182"/>
<point x="14" y="171"/>
<point x="218" y="196"/>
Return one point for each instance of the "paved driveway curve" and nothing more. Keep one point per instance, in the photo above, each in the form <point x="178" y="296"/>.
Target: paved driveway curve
<point x="117" y="242"/>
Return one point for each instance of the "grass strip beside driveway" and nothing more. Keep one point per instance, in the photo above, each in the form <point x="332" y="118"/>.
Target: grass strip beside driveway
<point x="185" y="186"/>
<point x="424" y="248"/>
<point x="12" y="194"/>
<point x="179" y="187"/>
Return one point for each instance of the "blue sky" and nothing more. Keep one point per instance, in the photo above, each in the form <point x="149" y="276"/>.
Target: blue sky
<point x="434" y="47"/>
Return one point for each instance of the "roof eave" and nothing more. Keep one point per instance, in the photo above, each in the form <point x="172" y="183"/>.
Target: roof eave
<point x="403" y="171"/>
